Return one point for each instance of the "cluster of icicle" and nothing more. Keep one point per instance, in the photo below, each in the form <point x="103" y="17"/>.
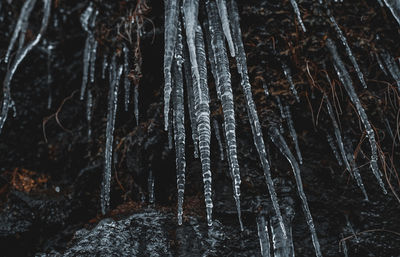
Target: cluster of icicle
<point x="185" y="69"/>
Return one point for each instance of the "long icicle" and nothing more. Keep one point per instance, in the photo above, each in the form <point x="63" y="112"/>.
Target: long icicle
<point x="21" y="54"/>
<point x="127" y="82"/>
<point x="298" y="14"/>
<point x="251" y="108"/>
<point x="348" y="49"/>
<point x="348" y="85"/>
<point x="203" y="122"/>
<point x="179" y="121"/>
<point x="190" y="100"/>
<point x="280" y="143"/>
<point x="170" y="36"/>
<point x="292" y="132"/>
<point x="394" y="7"/>
<point x="223" y="14"/>
<point x="190" y="11"/>
<point x="115" y="74"/>
<point x="226" y="96"/>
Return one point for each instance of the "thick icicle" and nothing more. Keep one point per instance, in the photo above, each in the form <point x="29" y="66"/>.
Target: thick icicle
<point x="190" y="11"/>
<point x="226" y="96"/>
<point x="394" y="7"/>
<point x="127" y="83"/>
<point x="21" y="54"/>
<point x="334" y="149"/>
<point x="251" y="108"/>
<point x="202" y="110"/>
<point x="179" y="122"/>
<point x="170" y="36"/>
<point x="348" y="85"/>
<point x="115" y="74"/>
<point x="292" y="132"/>
<point x="262" y="229"/>
<point x="348" y="50"/>
<point x="223" y="14"/>
<point x="298" y="14"/>
<point x="288" y="74"/>
<point x="392" y="67"/>
<point x="191" y="103"/>
<point x="218" y="137"/>
<point x="20" y="27"/>
<point x="280" y="143"/>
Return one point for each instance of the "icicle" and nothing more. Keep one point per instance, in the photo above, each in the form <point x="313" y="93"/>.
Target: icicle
<point x="348" y="50"/>
<point x="394" y="7"/>
<point x="150" y="186"/>
<point x="288" y="74"/>
<point x="170" y="134"/>
<point x="203" y="122"/>
<point x="89" y="106"/>
<point x="93" y="55"/>
<point x="265" y="86"/>
<point x="348" y="85"/>
<point x="190" y="10"/>
<point x="297" y="12"/>
<point x="280" y="106"/>
<point x="344" y="247"/>
<point x="49" y="51"/>
<point x="136" y="103"/>
<point x="278" y="240"/>
<point x="20" y="27"/>
<point x="293" y="133"/>
<point x="334" y="149"/>
<point x="219" y="140"/>
<point x="357" y="175"/>
<point x="251" y="109"/>
<point x="190" y="100"/>
<point x="88" y="21"/>
<point x="389" y="129"/>
<point x="170" y="36"/>
<point x="86" y="62"/>
<point x="104" y="67"/>
<point x="21" y="54"/>
<point x="280" y="143"/>
<point x="392" y="67"/>
<point x="179" y="122"/>
<point x="127" y="83"/>
<point x="224" y="87"/>
<point x="380" y="3"/>
<point x="336" y="129"/>
<point x="223" y="14"/>
<point x="381" y="64"/>
<point x="263" y="236"/>
<point x="115" y="74"/>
